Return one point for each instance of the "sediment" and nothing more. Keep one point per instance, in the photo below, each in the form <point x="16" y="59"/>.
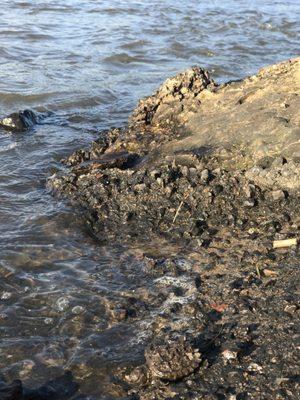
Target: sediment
<point x="214" y="169"/>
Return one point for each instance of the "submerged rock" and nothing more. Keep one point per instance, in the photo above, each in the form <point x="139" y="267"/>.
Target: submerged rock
<point x="61" y="388"/>
<point x="14" y="391"/>
<point x="19" y="121"/>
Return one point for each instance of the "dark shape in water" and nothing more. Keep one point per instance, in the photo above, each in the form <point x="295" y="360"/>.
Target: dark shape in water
<point x="19" y="121"/>
<point x="14" y="391"/>
<point x="61" y="388"/>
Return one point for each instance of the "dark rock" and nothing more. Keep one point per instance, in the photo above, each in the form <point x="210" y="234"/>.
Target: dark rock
<point x="19" y="121"/>
<point x="14" y="391"/>
<point x="61" y="388"/>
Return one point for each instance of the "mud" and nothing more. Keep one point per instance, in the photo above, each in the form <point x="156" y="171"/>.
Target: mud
<point x="214" y="169"/>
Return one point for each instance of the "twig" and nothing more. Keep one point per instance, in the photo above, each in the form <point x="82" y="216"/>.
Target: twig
<point x="257" y="271"/>
<point x="179" y="208"/>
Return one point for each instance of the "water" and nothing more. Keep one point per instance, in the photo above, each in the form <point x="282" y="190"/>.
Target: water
<point x="88" y="62"/>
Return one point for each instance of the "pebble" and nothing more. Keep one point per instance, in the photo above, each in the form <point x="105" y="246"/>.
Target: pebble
<point x="77" y="310"/>
<point x="185" y="171"/>
<point x="62" y="304"/>
<point x="278" y="195"/>
<point x="160" y="181"/>
<point x="204" y="176"/>
<point x="290" y="309"/>
<point x="256" y="170"/>
<point x="279" y="161"/>
<point x="155" y="173"/>
<point x="217" y="171"/>
<point x="249" y="203"/>
<point x="48" y="321"/>
<point x="253" y="367"/>
<point x="193" y="172"/>
<point x="28" y="365"/>
<point x="229" y="355"/>
<point x="249" y="191"/>
<point x="140" y="187"/>
<point x="6" y="295"/>
<point x="268" y="272"/>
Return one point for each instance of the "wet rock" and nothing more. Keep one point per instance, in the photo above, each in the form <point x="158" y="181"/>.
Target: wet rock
<point x="61" y="388"/>
<point x="19" y="121"/>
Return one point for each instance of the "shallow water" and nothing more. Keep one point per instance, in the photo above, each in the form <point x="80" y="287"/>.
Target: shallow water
<point x="88" y="62"/>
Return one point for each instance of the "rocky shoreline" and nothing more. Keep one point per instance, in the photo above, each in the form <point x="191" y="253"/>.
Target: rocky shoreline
<point x="215" y="170"/>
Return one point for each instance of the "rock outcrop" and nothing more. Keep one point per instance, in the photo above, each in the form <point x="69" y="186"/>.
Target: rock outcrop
<point x="189" y="155"/>
<point x="213" y="170"/>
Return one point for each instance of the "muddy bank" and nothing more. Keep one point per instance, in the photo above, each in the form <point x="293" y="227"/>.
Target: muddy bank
<point x="214" y="168"/>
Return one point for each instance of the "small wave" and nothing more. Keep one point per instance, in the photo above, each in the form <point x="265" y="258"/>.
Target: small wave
<point x="135" y="44"/>
<point x="124" y="58"/>
<point x="17" y="98"/>
<point x="7" y="147"/>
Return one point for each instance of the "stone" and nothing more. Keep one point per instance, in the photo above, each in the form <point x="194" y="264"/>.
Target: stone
<point x="204" y="176"/>
<point x="249" y="203"/>
<point x="62" y="387"/>
<point x="19" y="121"/>
<point x="278" y="195"/>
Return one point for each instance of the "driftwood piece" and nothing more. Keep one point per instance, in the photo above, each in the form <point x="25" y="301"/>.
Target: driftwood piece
<point x="277" y="244"/>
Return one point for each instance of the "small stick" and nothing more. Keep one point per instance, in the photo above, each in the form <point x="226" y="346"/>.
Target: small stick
<point x="179" y="208"/>
<point x="277" y="244"/>
<point x="257" y="271"/>
<point x="177" y="212"/>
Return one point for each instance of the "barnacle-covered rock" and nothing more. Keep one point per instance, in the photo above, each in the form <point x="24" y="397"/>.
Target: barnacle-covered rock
<point x="172" y="359"/>
<point x="171" y="97"/>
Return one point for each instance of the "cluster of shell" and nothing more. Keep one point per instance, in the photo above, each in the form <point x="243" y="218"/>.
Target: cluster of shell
<point x="166" y="359"/>
<point x="182" y="87"/>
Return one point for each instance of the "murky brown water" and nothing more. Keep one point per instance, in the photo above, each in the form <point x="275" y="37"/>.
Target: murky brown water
<point x="88" y="62"/>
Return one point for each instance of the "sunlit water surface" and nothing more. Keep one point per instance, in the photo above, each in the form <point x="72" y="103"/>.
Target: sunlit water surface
<point x="88" y="62"/>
